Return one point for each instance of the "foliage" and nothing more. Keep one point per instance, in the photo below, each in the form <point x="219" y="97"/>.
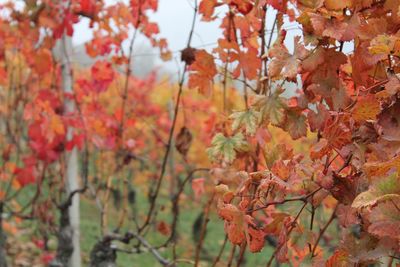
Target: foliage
<point x="284" y="164"/>
<point x="349" y="100"/>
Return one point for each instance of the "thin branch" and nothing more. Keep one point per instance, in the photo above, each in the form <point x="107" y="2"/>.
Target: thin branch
<point x="220" y="252"/>
<point x="203" y="230"/>
<point x="154" y="195"/>
<point x="288" y="233"/>
<point x="301" y="198"/>
<point x="322" y="231"/>
<point x="175" y="204"/>
<point x="153" y="251"/>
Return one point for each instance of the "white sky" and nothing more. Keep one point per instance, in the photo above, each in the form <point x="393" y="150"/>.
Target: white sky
<point x="174" y="18"/>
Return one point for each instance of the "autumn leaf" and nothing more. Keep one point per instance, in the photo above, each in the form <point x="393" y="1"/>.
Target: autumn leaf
<point x="249" y="64"/>
<point x="381" y="168"/>
<point x="277" y="152"/>
<point x="367" y="133"/>
<point x="384" y="45"/>
<point x="338" y="259"/>
<point x="234" y="222"/>
<point x="241" y="227"/>
<point x="103" y="75"/>
<point x="387" y="188"/>
<point x="243" y="6"/>
<point x="363" y="249"/>
<point x="188" y="55"/>
<point x="248" y="119"/>
<point x="225" y="148"/>
<point x="341" y="30"/>
<point x="385" y="219"/>
<point x="313" y="4"/>
<point x="206" y="9"/>
<point x="43" y="61"/>
<point x="88" y="7"/>
<point x="202" y="73"/>
<point x="318" y="119"/>
<point x="338" y="5"/>
<point x="255" y="235"/>
<point x="391" y="88"/>
<point x="389" y="120"/>
<point x="283" y="64"/>
<point x="198" y="187"/>
<point x="295" y="124"/>
<point x="321" y="78"/>
<point x="27" y="174"/>
<point x="57" y="125"/>
<point x="163" y="228"/>
<point x="183" y="141"/>
<point x="272" y="108"/>
<point x="366" y="108"/>
<point x="336" y="133"/>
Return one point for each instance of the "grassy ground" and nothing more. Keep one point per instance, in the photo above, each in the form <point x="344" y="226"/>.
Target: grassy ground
<point x="190" y="209"/>
<point x="90" y="229"/>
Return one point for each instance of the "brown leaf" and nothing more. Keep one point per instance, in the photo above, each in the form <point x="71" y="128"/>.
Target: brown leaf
<point x="188" y="55"/>
<point x="317" y="119"/>
<point x="183" y="141"/>
<point x="389" y="119"/>
<point x="385" y="219"/>
<point x="283" y="64"/>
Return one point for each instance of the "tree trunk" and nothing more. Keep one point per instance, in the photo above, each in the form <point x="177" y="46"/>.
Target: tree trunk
<point x="3" y="261"/>
<point x="65" y="247"/>
<point x="71" y="180"/>
<point x="72" y="183"/>
<point x="103" y="254"/>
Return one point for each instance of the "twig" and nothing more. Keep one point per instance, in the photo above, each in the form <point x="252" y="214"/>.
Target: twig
<point x="203" y="230"/>
<point x="288" y="233"/>
<point x="301" y="198"/>
<point x="322" y="231"/>
<point x="154" y="195"/>
<point x="153" y="251"/>
<point x="175" y="205"/>
<point x="220" y="252"/>
<point x="231" y="255"/>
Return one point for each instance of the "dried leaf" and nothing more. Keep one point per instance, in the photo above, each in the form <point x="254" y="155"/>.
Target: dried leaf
<point x="183" y="141"/>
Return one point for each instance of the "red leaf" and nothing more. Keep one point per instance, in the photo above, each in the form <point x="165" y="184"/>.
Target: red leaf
<point x="26" y="175"/>
<point x="198" y="187"/>
<point x="103" y="75"/>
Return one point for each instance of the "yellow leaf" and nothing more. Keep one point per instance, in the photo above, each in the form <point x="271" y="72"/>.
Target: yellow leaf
<point x="338" y="5"/>
<point x="377" y="169"/>
<point x="57" y="125"/>
<point x="367" y="108"/>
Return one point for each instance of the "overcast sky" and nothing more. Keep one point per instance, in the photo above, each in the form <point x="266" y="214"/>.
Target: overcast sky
<point x="174" y="18"/>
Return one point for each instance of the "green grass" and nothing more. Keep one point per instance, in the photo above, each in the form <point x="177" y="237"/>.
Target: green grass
<point x="90" y="231"/>
<point x="189" y="211"/>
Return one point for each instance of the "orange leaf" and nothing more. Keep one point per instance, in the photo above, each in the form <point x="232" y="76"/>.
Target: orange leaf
<point x="43" y="61"/>
<point x="367" y="108"/>
<point x="203" y="71"/>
